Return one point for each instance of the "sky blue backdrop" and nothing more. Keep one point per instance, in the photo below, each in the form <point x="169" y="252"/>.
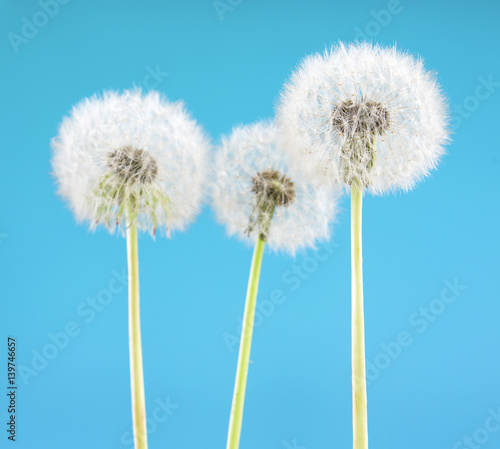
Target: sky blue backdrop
<point x="229" y="66"/>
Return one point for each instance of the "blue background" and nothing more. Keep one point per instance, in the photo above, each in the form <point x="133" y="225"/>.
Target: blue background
<point x="229" y="69"/>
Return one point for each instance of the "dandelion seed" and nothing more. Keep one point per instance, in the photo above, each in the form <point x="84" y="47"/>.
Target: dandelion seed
<point x="131" y="158"/>
<point x="358" y="111"/>
<point x="256" y="193"/>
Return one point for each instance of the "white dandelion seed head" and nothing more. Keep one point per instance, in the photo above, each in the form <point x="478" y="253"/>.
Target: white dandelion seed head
<point x="131" y="157"/>
<point x="255" y="192"/>
<point x="366" y="113"/>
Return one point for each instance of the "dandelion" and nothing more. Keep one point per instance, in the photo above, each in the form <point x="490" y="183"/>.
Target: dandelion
<point x="262" y="201"/>
<point x="131" y="161"/>
<point x="366" y="118"/>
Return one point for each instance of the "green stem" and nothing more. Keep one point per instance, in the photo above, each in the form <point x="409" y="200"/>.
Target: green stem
<point x="135" y="347"/>
<point x="359" y="406"/>
<point x="233" y="437"/>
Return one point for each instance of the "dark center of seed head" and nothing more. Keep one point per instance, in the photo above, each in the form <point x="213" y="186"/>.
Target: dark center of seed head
<point x="272" y="188"/>
<point x="365" y="117"/>
<point x="133" y="165"/>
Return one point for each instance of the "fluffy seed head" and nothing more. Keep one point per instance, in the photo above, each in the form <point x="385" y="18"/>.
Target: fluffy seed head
<point x="366" y="114"/>
<point x="256" y="193"/>
<point x="131" y="158"/>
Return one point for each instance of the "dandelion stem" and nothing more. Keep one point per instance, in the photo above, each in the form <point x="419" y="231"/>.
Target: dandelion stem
<point x="235" y="420"/>
<point x="359" y="405"/>
<point x="135" y="347"/>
